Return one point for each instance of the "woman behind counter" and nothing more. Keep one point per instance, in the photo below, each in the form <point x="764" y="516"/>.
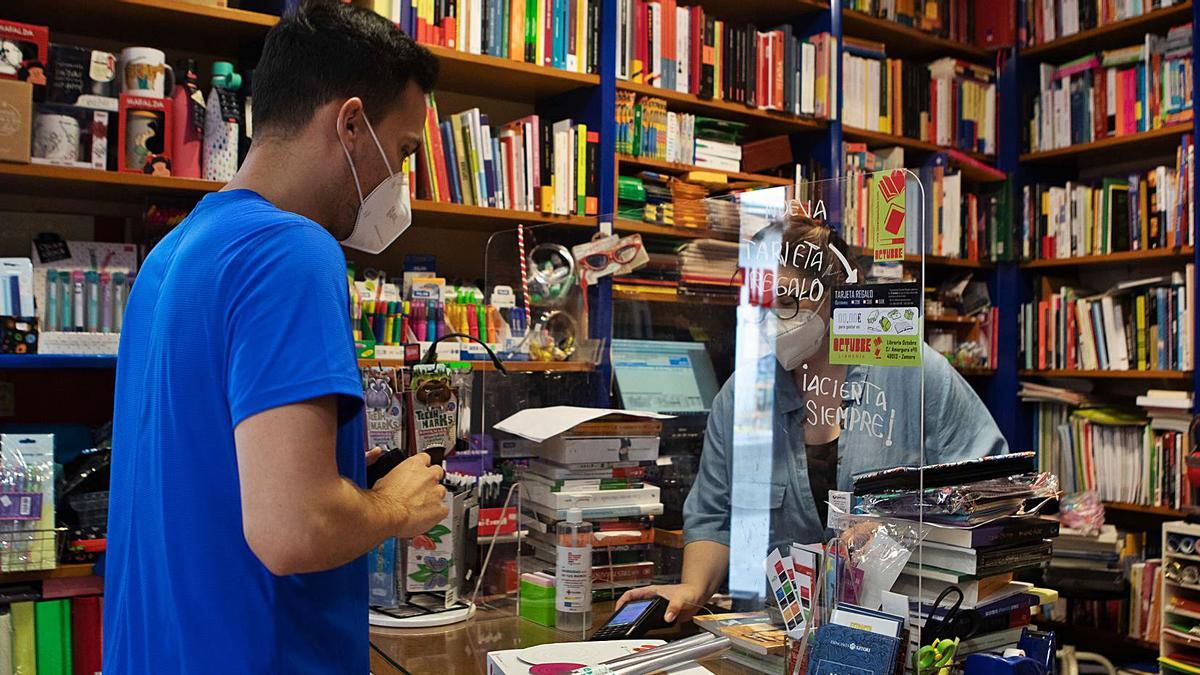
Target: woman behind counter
<point x="815" y="449"/>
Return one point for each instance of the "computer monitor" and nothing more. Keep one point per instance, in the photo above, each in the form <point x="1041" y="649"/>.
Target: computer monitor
<point x="664" y="376"/>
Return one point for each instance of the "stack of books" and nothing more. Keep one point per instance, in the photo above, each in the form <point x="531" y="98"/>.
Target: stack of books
<point x="1139" y="324"/>
<point x="1086" y="564"/>
<point x="718" y="144"/>
<point x="709" y="267"/>
<point x="982" y="562"/>
<point x="1136" y="212"/>
<point x="1114" y="93"/>
<point x="1048" y="21"/>
<point x="599" y="467"/>
<point x="528" y="164"/>
<point x="1145" y="600"/>
<point x="665" y="44"/>
<point x="1169" y="410"/>
<point x="562" y="34"/>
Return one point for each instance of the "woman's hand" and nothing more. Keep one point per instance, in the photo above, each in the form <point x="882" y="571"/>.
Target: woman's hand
<point x="684" y="600"/>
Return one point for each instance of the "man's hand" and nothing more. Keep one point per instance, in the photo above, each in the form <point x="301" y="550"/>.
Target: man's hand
<point x="414" y="489"/>
<point x="683" y="600"/>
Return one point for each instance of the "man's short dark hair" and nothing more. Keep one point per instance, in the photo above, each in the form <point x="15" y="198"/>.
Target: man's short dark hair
<point x="326" y="50"/>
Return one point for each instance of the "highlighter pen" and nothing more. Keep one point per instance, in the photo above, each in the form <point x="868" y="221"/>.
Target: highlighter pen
<point x="380" y="320"/>
<point x="77" y="290"/>
<point x="67" y="320"/>
<point x="105" y="302"/>
<point x="419" y="321"/>
<point x="431" y="323"/>
<point x="51" y="308"/>
<point x="472" y="321"/>
<point x="92" y="286"/>
<point x="481" y="318"/>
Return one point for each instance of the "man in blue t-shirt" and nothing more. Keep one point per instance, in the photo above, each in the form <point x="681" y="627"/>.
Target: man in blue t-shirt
<point x="238" y="516"/>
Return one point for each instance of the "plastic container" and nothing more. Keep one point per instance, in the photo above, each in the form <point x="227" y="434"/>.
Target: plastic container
<point x="573" y="573"/>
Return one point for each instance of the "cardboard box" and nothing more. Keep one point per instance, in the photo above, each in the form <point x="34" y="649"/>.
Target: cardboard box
<point x="22" y="45"/>
<point x="16" y="120"/>
<point x="97" y="140"/>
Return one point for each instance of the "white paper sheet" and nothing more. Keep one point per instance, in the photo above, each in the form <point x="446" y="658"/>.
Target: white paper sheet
<point x="538" y="424"/>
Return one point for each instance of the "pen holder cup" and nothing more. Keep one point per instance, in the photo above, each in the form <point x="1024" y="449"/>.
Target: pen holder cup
<point x="18" y="335"/>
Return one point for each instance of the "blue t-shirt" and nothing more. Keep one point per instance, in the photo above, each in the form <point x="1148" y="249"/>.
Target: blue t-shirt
<point x="241" y="308"/>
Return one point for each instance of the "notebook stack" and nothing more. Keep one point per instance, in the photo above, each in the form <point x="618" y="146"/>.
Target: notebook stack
<point x="593" y="460"/>
<point x="979" y="545"/>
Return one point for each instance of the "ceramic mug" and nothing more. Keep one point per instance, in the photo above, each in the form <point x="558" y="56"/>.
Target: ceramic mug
<point x="141" y="126"/>
<point x="145" y="72"/>
<point x="56" y="137"/>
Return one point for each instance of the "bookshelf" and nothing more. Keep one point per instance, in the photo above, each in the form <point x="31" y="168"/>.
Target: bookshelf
<point x="64" y="571"/>
<point x="1100" y="151"/>
<point x="675" y="167"/>
<point x="1095" y="158"/>
<point x="1176" y="375"/>
<point x="764" y="122"/>
<point x="1155" y="255"/>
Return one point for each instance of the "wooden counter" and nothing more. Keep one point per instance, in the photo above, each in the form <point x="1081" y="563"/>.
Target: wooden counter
<point x="461" y="649"/>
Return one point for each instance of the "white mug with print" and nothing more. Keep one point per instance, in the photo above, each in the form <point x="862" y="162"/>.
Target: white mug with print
<point x="145" y="72"/>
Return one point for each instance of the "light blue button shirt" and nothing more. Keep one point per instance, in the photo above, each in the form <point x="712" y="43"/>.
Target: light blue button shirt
<point x="957" y="426"/>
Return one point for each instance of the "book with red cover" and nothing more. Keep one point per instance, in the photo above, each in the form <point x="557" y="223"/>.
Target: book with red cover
<point x="86" y="614"/>
<point x="695" y="48"/>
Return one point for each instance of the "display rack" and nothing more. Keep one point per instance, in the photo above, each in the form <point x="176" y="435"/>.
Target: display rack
<point x="1174" y="641"/>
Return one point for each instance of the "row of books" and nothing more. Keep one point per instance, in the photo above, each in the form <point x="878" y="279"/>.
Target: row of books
<point x="1114" y="453"/>
<point x="1137" y="212"/>
<point x="1139" y="324"/>
<point x="1114" y="93"/>
<point x="562" y="34"/>
<point x="1048" y="21"/>
<point x="959" y="219"/>
<point x="682" y="48"/>
<point x="528" y="164"/>
<point x="52" y="637"/>
<point x="949" y="102"/>
<point x="951" y="19"/>
<point x="645" y="128"/>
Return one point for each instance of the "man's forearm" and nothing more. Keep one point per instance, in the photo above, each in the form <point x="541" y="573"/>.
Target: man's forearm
<point x="705" y="564"/>
<point x="338" y="527"/>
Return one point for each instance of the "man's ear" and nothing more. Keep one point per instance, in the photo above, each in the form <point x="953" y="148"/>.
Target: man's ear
<point x="349" y="120"/>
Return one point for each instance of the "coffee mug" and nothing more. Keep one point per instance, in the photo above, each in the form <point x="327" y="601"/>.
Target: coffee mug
<point x="141" y="127"/>
<point x="144" y="72"/>
<point x="56" y="137"/>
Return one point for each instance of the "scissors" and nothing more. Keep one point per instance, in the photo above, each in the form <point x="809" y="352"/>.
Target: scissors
<point x="938" y="652"/>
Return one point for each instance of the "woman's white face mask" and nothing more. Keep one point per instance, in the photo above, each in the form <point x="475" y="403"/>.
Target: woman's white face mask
<point x="385" y="213"/>
<point x="799" y="338"/>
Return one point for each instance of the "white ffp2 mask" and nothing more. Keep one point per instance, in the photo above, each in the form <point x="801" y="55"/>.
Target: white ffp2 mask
<point x="385" y="213"/>
<point x="797" y="339"/>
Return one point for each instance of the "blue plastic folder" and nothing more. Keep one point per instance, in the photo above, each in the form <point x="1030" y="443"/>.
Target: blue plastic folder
<point x="841" y="650"/>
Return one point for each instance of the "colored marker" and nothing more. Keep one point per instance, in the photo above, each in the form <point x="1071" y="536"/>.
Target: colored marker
<point x="80" y="297"/>
<point x="92" y="286"/>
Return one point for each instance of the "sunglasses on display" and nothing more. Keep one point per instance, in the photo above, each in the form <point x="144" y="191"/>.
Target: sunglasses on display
<point x="623" y="255"/>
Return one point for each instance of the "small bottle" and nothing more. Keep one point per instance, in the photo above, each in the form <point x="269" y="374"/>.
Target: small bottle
<point x="573" y="573"/>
